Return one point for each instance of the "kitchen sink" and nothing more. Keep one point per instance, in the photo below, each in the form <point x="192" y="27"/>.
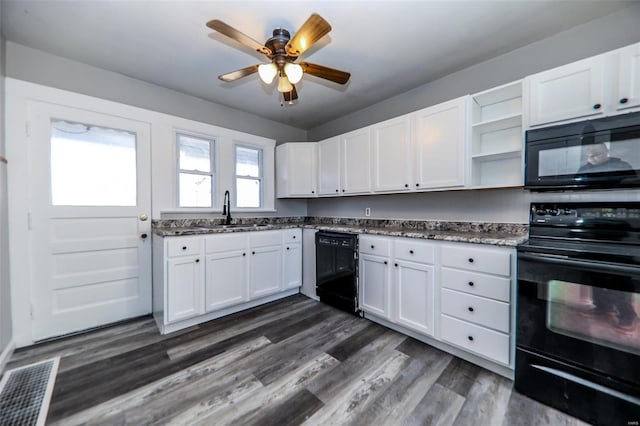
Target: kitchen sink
<point x="235" y="226"/>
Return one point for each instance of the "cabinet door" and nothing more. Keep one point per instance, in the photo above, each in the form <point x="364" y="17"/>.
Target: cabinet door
<point x="440" y="138"/>
<point x="414" y="296"/>
<point x="184" y="288"/>
<point x="309" y="263"/>
<point x="329" y="166"/>
<point x="567" y="92"/>
<point x="628" y="78"/>
<point x="266" y="271"/>
<point x="392" y="156"/>
<point x="292" y="265"/>
<point x="226" y="282"/>
<point x="296" y="168"/>
<point x="374" y="285"/>
<point x="356" y="161"/>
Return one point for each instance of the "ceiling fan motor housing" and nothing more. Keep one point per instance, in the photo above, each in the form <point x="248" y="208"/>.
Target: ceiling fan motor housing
<point x="277" y="45"/>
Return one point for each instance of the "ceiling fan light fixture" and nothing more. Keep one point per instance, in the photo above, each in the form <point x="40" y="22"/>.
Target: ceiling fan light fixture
<point x="267" y="72"/>
<point x="293" y="72"/>
<point x="284" y="85"/>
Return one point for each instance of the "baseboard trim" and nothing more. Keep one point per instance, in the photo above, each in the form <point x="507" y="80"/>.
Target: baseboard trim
<point x="6" y="354"/>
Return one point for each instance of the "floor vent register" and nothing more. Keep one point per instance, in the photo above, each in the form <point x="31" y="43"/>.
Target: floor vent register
<point x="25" y="393"/>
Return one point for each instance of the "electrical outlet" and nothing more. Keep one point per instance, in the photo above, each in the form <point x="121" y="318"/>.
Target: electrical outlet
<point x="367" y="211"/>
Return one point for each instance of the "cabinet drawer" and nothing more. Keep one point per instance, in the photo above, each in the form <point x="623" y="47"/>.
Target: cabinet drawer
<point x="292" y="235"/>
<point x="477" y="259"/>
<point x="379" y="246"/>
<point x="478" y="310"/>
<point x="265" y="238"/>
<point x="225" y="242"/>
<point x="479" y="284"/>
<point x="473" y="338"/>
<point x="414" y="250"/>
<point x="184" y="246"/>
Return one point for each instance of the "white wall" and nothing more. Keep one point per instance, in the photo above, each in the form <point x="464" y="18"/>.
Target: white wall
<point x="510" y="205"/>
<point x="5" y="295"/>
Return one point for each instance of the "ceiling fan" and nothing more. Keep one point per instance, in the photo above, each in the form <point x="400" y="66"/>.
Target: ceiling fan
<point x="283" y="50"/>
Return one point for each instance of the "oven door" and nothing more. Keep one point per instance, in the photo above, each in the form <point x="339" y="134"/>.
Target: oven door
<point x="580" y="312"/>
<point x="577" y="334"/>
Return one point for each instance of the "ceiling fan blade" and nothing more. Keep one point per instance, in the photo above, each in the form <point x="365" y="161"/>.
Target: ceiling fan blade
<point x="290" y="96"/>
<point x="235" y="75"/>
<point x="238" y="36"/>
<point x="311" y="31"/>
<point x="337" y="76"/>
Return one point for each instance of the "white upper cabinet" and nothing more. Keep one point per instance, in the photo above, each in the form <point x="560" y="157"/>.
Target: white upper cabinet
<point x="606" y="84"/>
<point x="296" y="170"/>
<point x="628" y="87"/>
<point x="440" y="139"/>
<point x="570" y="91"/>
<point x="329" y="166"/>
<point x="392" y="155"/>
<point x="356" y="161"/>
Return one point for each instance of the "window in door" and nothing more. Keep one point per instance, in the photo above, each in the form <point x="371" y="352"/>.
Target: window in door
<point x="248" y="177"/>
<point x="195" y="171"/>
<point x="92" y="165"/>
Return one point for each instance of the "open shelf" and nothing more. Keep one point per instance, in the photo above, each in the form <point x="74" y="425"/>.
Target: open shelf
<point x="496" y="137"/>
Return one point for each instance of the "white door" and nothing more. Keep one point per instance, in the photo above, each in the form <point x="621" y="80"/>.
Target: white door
<point x="567" y="92"/>
<point x="329" y="166"/>
<point x="89" y="219"/>
<point x="392" y="156"/>
<point x="439" y="138"/>
<point x="374" y="285"/>
<point x="628" y="78"/>
<point x="302" y="168"/>
<point x="356" y="161"/>
<point x="226" y="280"/>
<point x="292" y="261"/>
<point x="184" y="288"/>
<point x="266" y="271"/>
<point x="414" y="298"/>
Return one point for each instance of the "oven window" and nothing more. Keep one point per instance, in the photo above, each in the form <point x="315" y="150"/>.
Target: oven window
<point x="593" y="314"/>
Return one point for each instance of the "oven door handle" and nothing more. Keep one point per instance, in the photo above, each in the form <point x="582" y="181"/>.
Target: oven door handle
<point x="587" y="265"/>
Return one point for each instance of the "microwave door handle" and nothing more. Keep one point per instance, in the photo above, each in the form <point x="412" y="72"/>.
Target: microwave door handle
<point x="586" y="265"/>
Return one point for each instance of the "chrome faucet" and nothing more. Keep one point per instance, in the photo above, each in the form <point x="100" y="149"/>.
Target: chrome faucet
<point x="226" y="209"/>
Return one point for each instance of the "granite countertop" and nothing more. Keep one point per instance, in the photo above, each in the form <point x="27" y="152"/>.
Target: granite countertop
<point x="463" y="232"/>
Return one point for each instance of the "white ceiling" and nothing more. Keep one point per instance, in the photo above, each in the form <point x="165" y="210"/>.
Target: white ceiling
<point x="388" y="46"/>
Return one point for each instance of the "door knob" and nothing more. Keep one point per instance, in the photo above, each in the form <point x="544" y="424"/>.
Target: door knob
<point x="143" y="236"/>
<point x="143" y="217"/>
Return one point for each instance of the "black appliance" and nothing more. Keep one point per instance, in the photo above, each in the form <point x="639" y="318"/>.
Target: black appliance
<point x="594" y="154"/>
<point x="578" y="301"/>
<point x="337" y="269"/>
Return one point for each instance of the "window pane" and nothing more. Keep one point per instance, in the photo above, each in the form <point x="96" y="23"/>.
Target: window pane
<point x="195" y="154"/>
<point x="92" y="166"/>
<point x="195" y="190"/>
<point x="248" y="192"/>
<point x="247" y="162"/>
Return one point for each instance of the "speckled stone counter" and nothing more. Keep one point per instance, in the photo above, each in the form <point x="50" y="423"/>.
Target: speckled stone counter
<point x="499" y="234"/>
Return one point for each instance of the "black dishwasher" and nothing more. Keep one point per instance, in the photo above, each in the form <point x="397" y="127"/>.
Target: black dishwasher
<point x="337" y="270"/>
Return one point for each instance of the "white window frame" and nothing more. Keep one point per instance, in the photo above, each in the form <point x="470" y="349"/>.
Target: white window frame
<point x="260" y="177"/>
<point x="212" y="167"/>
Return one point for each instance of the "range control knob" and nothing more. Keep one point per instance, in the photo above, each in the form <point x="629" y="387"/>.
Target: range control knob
<point x="540" y="212"/>
<point x="567" y="211"/>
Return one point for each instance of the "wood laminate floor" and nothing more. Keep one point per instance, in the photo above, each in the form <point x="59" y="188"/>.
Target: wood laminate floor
<point x="292" y="361"/>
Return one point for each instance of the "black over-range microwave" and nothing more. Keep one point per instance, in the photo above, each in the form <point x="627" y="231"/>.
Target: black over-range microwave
<point x="593" y="154"/>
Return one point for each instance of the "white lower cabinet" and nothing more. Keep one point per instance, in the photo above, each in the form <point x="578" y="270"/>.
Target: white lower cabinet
<point x="201" y="277"/>
<point x="397" y="281"/>
<point x="184" y="288"/>
<point x="456" y="296"/>
<point x="475" y="299"/>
